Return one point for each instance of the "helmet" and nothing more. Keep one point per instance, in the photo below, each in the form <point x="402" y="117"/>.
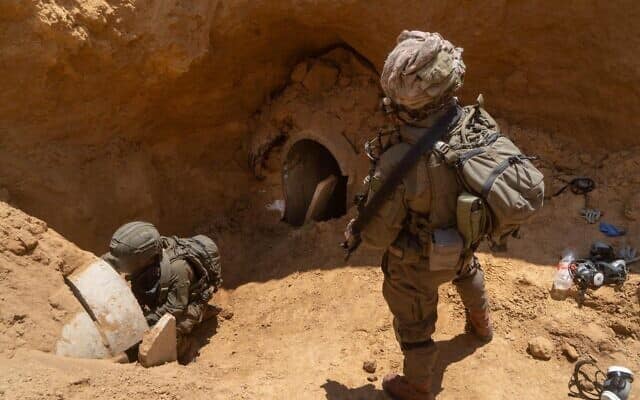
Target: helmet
<point x="422" y="71"/>
<point x="135" y="246"/>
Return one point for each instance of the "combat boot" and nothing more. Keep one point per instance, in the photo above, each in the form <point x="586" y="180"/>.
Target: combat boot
<point x="399" y="388"/>
<point x="479" y="324"/>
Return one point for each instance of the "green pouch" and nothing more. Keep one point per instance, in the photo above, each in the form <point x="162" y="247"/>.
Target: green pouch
<point x="472" y="219"/>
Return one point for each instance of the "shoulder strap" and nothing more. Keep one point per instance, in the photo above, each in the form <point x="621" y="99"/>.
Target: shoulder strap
<point x="165" y="276"/>
<point x="427" y="141"/>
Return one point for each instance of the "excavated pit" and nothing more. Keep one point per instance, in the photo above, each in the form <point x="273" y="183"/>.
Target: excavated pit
<point x="196" y="117"/>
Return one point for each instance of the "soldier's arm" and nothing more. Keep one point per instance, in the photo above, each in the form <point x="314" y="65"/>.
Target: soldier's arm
<point x="177" y="296"/>
<point x="386" y="224"/>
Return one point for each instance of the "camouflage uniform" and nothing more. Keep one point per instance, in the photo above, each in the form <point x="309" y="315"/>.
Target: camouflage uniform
<point x="165" y="288"/>
<point x="161" y="282"/>
<point x="425" y="200"/>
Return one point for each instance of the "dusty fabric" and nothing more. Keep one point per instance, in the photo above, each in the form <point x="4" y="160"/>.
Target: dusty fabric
<point x="191" y="318"/>
<point x="470" y="287"/>
<point x="176" y="276"/>
<point x="413" y="201"/>
<point x="418" y="364"/>
<point x="411" y="292"/>
<point x="422" y="70"/>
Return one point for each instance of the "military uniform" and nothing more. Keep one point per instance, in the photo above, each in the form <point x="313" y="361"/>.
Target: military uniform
<point x="424" y="201"/>
<point x="166" y="288"/>
<point x="162" y="279"/>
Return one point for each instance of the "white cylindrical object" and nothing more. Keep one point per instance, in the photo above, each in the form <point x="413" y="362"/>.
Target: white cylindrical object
<point x="117" y="319"/>
<point x="81" y="338"/>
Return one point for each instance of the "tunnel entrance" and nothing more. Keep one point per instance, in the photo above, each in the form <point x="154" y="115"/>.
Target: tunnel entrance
<point x="313" y="185"/>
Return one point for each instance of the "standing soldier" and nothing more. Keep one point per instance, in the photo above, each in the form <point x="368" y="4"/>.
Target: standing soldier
<point x="416" y="224"/>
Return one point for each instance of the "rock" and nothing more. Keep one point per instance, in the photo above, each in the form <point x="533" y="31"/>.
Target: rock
<point x="372" y="378"/>
<point x="227" y="313"/>
<point x="623" y="328"/>
<point x="587" y="385"/>
<point x="15" y="246"/>
<point x="29" y="241"/>
<point x="18" y="317"/>
<point x="159" y="344"/>
<point x="322" y="76"/>
<point x="570" y="352"/>
<point x="37" y="227"/>
<point x="299" y="72"/>
<point x="541" y="348"/>
<point x="80" y="381"/>
<point x="369" y="366"/>
<point x="606" y="347"/>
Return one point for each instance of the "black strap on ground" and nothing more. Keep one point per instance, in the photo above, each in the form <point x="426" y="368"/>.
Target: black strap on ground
<point x="579" y="185"/>
<point x="583" y="385"/>
<point x="424" y="144"/>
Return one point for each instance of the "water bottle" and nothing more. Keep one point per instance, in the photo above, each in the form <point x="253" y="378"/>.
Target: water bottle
<point x="563" y="281"/>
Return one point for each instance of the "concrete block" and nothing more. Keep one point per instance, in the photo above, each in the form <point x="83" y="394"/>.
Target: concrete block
<point x="159" y="344"/>
<point x="321" y="196"/>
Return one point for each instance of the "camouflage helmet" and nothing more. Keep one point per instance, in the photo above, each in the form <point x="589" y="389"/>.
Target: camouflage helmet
<point x="422" y="71"/>
<point x="135" y="246"/>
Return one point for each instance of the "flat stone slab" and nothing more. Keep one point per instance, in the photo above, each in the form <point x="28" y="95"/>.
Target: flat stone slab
<point x="159" y="344"/>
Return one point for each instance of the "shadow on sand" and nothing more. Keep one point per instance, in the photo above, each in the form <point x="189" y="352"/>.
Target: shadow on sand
<point x="450" y="352"/>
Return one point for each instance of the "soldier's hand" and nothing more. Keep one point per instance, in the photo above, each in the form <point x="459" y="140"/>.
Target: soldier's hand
<point x="351" y="239"/>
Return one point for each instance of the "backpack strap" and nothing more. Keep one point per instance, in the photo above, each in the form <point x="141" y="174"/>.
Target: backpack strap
<point x="165" y="277"/>
<point x="425" y="144"/>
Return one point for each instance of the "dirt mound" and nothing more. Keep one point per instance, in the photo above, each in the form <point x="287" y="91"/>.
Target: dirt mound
<point x="34" y="301"/>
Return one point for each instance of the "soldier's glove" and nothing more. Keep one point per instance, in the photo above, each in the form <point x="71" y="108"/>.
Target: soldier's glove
<point x="352" y="239"/>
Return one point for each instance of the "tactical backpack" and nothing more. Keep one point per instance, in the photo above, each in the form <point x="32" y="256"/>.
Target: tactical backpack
<point x="503" y="187"/>
<point x="202" y="254"/>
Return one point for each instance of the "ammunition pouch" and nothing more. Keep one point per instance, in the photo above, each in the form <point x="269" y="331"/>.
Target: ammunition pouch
<point x="443" y="248"/>
<point x="446" y="250"/>
<point x="472" y="219"/>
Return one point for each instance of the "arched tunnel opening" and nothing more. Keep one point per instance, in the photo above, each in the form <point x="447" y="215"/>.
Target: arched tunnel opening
<point x="312" y="183"/>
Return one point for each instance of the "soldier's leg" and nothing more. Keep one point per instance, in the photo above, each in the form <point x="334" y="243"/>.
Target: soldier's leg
<point x="470" y="286"/>
<point x="413" y="303"/>
<point x="188" y="321"/>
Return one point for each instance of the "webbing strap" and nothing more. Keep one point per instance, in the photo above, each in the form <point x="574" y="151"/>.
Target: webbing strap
<point x="416" y="345"/>
<point x="497" y="171"/>
<point x="469" y="154"/>
<point x="425" y="144"/>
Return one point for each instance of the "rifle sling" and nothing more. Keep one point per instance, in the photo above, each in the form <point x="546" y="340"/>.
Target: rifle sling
<point x="424" y="145"/>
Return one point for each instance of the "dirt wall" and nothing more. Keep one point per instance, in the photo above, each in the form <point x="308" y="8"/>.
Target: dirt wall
<point x="119" y="109"/>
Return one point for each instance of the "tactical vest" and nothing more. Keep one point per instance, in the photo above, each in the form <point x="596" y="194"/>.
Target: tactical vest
<point x="431" y="190"/>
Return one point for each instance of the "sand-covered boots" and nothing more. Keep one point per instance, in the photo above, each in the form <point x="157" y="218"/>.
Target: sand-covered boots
<point x="400" y="388"/>
<point x="479" y="324"/>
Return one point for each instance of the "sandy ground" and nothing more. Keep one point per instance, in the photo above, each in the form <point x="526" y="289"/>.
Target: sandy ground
<point x="303" y="323"/>
<point x="304" y="320"/>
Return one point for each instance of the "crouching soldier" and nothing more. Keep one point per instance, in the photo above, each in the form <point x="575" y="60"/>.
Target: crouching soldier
<point x="168" y="275"/>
